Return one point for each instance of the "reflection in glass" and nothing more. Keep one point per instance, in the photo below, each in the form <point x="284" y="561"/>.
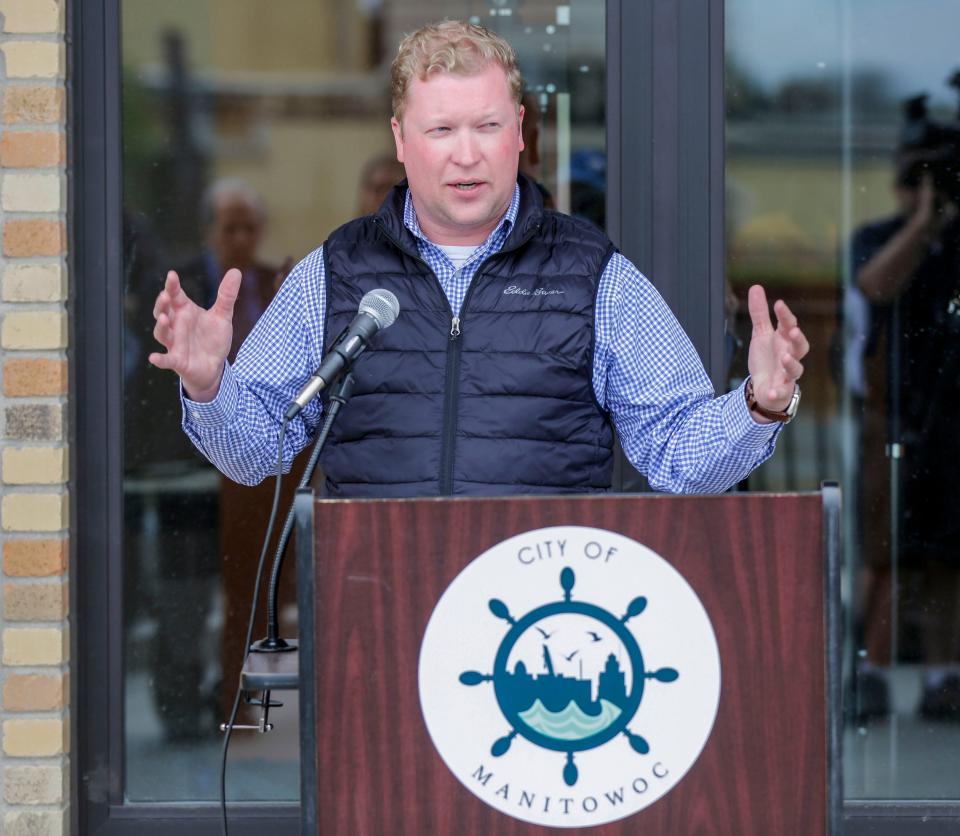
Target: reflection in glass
<point x="842" y="193"/>
<point x="248" y="135"/>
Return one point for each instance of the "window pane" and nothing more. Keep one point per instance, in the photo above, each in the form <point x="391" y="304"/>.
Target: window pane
<point x="252" y="128"/>
<point x="841" y="198"/>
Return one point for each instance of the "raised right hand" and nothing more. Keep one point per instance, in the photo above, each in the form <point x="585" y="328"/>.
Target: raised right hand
<point x="933" y="213"/>
<point x="197" y="340"/>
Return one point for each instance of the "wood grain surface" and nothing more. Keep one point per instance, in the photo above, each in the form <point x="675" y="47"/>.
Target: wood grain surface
<point x="754" y="560"/>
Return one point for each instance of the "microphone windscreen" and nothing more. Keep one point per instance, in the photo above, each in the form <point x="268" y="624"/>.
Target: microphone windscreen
<point x="382" y="305"/>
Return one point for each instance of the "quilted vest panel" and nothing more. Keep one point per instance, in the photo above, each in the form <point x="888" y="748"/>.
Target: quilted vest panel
<point x="506" y="407"/>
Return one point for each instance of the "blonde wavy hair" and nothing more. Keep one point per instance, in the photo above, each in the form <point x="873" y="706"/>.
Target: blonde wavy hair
<point x="451" y="47"/>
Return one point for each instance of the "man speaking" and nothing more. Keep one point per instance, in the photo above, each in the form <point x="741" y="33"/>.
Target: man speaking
<point x="524" y="341"/>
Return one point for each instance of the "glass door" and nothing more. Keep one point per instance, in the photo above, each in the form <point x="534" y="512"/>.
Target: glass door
<point x="842" y="190"/>
<point x="251" y="129"/>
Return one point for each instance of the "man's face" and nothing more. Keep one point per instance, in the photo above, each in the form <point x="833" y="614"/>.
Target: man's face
<point x="460" y="143"/>
<point x="235" y="233"/>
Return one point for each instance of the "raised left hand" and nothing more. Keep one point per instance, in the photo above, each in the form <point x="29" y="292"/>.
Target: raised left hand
<point x="775" y="352"/>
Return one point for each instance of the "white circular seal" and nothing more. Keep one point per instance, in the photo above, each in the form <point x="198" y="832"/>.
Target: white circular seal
<point x="569" y="677"/>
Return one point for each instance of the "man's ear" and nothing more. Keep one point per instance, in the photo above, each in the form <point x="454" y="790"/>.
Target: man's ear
<point x="397" y="129"/>
<point x="520" y="113"/>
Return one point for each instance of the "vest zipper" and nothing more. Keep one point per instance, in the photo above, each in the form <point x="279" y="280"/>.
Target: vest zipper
<point x="454" y="347"/>
<point x="451" y="381"/>
<point x="450" y="406"/>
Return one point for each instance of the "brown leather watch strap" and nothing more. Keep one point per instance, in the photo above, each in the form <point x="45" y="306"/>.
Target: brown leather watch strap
<point x="769" y="414"/>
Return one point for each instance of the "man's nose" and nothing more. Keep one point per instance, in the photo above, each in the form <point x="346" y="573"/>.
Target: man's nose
<point x="466" y="149"/>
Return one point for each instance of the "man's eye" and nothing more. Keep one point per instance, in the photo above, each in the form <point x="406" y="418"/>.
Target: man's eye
<point x="439" y="130"/>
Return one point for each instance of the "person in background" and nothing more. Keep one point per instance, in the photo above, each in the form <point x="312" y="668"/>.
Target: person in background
<point x="234" y="221"/>
<point x="530" y="158"/>
<point x="378" y="176"/>
<point x="907" y="268"/>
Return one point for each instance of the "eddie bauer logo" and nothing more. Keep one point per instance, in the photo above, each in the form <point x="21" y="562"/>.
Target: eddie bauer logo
<point x="515" y="290"/>
<point x="597" y="699"/>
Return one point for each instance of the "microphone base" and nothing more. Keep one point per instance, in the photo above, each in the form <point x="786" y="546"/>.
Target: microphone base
<point x="277" y="645"/>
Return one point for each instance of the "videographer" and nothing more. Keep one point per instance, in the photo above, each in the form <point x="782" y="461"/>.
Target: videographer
<point x="908" y="268"/>
<point x="891" y="253"/>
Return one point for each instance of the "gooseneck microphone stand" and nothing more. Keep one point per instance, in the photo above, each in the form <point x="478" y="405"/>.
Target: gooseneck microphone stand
<point x="378" y="309"/>
<point x="273" y="643"/>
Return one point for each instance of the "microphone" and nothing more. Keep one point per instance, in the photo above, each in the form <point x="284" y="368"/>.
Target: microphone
<point x="378" y="310"/>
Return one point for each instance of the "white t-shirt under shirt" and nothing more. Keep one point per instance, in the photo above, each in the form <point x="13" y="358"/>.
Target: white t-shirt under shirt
<point x="458" y="255"/>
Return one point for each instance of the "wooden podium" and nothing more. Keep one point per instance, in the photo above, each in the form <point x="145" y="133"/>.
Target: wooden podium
<point x="765" y="567"/>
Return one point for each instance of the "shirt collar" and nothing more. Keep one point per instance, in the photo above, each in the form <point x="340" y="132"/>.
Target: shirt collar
<point x="494" y="240"/>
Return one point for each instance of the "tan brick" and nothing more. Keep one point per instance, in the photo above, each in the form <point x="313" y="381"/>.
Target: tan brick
<point x="33" y="378"/>
<point x="37" y="823"/>
<point x="34" y="646"/>
<point x="33" y="59"/>
<point x="32" y="149"/>
<point x="34" y="738"/>
<point x="34" y="511"/>
<point x="30" y="15"/>
<point x="23" y="238"/>
<point x="44" y="105"/>
<point x="34" y="330"/>
<point x="34" y="283"/>
<point x="35" y="558"/>
<point x="31" y="193"/>
<point x="34" y="692"/>
<point x="34" y="465"/>
<point x="34" y="422"/>
<point x="35" y="602"/>
<point x="34" y="784"/>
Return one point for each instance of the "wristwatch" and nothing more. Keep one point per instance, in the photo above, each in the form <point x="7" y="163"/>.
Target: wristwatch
<point x="784" y="417"/>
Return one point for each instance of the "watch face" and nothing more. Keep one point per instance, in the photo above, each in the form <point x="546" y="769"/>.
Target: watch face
<point x="794" y="404"/>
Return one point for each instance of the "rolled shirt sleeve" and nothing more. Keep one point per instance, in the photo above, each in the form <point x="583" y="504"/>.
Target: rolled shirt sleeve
<point x="647" y="374"/>
<point x="238" y="430"/>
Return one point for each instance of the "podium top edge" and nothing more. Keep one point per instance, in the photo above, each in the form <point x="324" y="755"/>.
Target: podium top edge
<point x="598" y="497"/>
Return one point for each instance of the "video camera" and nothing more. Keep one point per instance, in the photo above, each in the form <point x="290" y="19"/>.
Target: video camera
<point x="928" y="146"/>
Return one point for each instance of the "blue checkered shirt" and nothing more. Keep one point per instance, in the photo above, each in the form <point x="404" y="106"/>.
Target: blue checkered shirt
<point x="646" y="374"/>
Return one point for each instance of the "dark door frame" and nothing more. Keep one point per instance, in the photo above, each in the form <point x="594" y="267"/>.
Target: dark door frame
<point x="665" y="65"/>
<point x="96" y="322"/>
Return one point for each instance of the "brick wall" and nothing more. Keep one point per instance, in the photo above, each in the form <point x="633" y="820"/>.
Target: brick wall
<point x="33" y="460"/>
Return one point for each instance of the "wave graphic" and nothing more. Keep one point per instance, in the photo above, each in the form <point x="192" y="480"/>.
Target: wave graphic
<point x="572" y="723"/>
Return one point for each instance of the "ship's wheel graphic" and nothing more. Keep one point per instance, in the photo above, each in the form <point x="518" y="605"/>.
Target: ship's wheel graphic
<point x="560" y="712"/>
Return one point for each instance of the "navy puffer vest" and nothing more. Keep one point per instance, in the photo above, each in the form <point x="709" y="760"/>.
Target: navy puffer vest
<point x="504" y="407"/>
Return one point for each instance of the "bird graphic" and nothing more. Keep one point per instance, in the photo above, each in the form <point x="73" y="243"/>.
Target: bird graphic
<point x="570" y="657"/>
<point x="544" y="633"/>
<point x="594" y="636"/>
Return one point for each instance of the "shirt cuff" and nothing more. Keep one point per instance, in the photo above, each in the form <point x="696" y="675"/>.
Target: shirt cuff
<point x="218" y="412"/>
<point x="742" y="431"/>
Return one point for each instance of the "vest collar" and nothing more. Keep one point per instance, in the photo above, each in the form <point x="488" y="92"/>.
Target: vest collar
<point x="529" y="216"/>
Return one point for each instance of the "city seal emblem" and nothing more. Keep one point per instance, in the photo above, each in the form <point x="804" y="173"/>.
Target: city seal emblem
<point x="569" y="677"/>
